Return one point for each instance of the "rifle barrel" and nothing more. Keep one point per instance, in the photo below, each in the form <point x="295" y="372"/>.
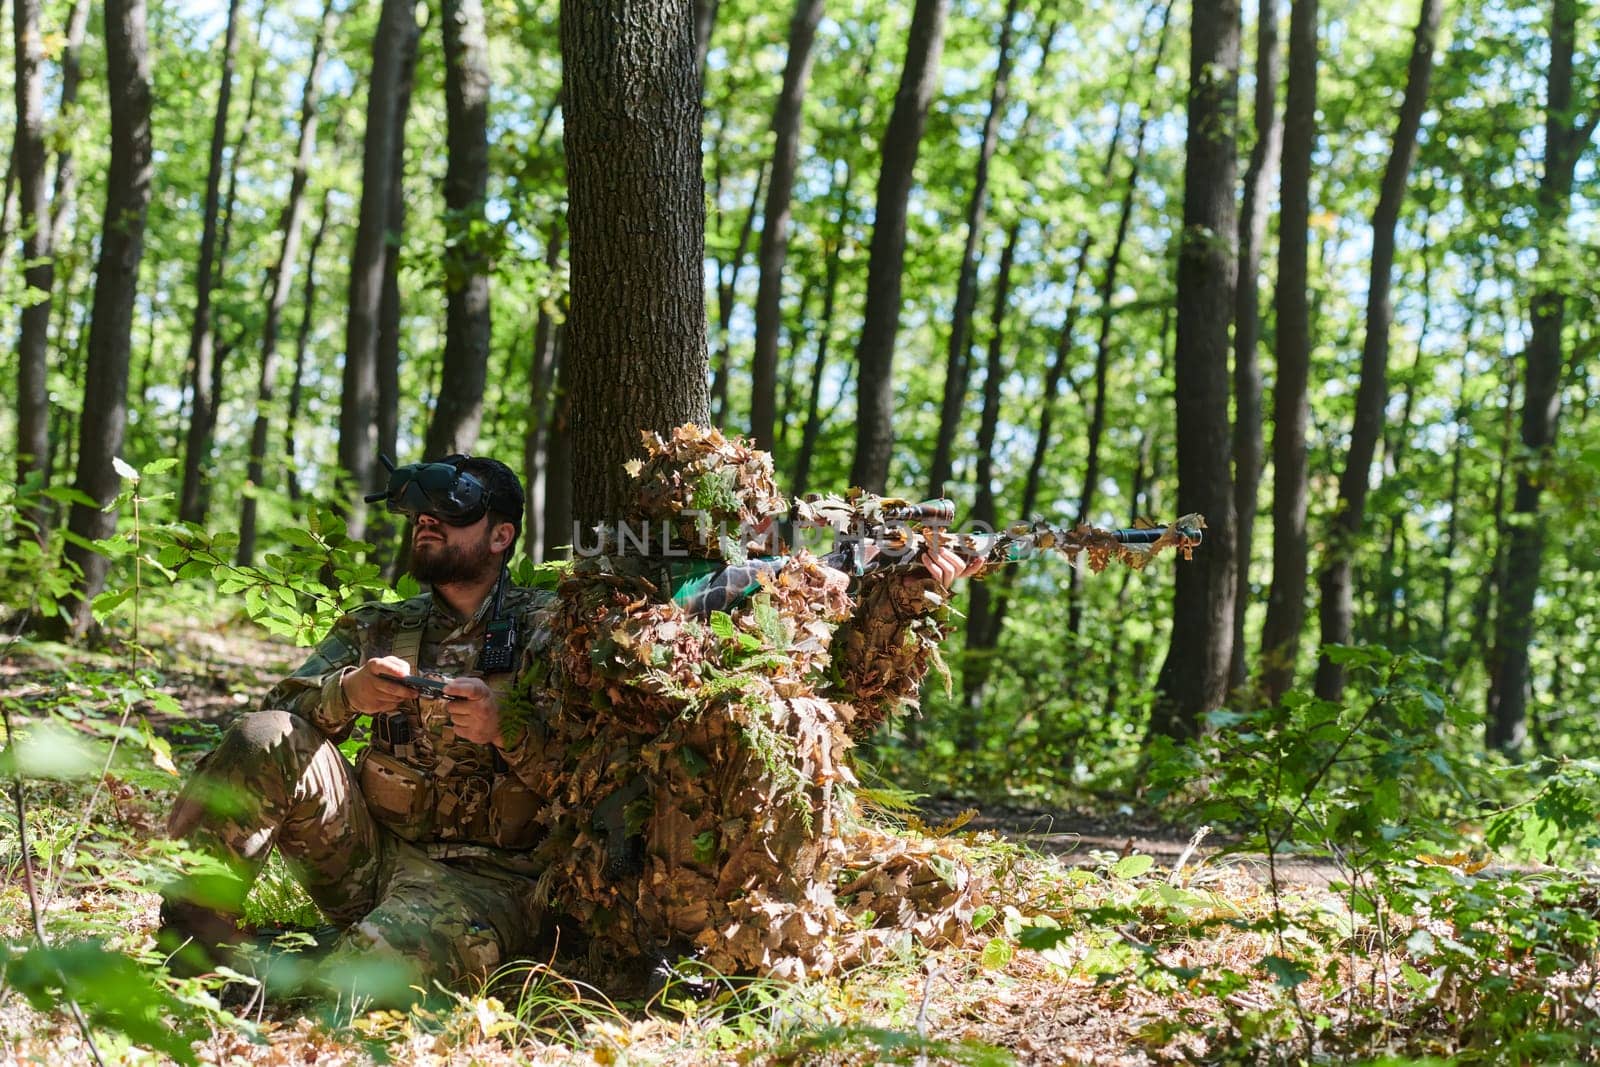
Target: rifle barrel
<point x="1130" y="536"/>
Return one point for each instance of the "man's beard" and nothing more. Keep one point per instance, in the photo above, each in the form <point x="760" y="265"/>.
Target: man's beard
<point x="443" y="563"/>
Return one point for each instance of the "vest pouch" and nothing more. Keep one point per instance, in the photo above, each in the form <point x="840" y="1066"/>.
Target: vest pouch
<point x="399" y="795"/>
<point x="512" y="810"/>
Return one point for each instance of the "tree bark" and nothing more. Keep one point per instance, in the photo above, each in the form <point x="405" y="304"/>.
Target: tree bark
<point x="637" y="332"/>
<point x="459" y="411"/>
<point x="279" y="276"/>
<point x="956" y="367"/>
<point x="774" y="247"/>
<point x="1247" y="434"/>
<point x="881" y="319"/>
<point x="38" y="274"/>
<point x="1541" y="398"/>
<point x="1194" y="677"/>
<point x="308" y="307"/>
<point x="203" y="406"/>
<point x="358" y="404"/>
<point x="105" y="401"/>
<point x="1286" y="603"/>
<point x="1372" y="395"/>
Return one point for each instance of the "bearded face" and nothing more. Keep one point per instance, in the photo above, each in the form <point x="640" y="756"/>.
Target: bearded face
<point x="443" y="555"/>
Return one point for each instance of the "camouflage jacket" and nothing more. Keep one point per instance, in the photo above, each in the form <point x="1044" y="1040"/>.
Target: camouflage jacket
<point x="418" y="777"/>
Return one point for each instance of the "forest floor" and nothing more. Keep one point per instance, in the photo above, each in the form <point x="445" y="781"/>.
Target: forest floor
<point x="1106" y="938"/>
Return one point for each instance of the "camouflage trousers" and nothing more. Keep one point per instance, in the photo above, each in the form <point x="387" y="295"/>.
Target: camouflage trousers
<point x="415" y="913"/>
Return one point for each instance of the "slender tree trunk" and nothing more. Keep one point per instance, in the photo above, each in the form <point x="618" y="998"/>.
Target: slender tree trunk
<point x="541" y="389"/>
<point x="1541" y="400"/>
<point x="1102" y="353"/>
<point x="830" y="288"/>
<point x="65" y="184"/>
<point x="38" y="275"/>
<point x="358" y="406"/>
<point x="881" y="319"/>
<point x="774" y="247"/>
<point x="797" y="341"/>
<point x="1484" y="606"/>
<point x="1194" y="678"/>
<point x="1394" y="586"/>
<point x="1286" y="603"/>
<point x="727" y="289"/>
<point x="1247" y="435"/>
<point x="559" y="529"/>
<point x="705" y="18"/>
<point x="636" y="198"/>
<point x="459" y="411"/>
<point x="1372" y="396"/>
<point x="105" y="401"/>
<point x="1463" y="409"/>
<point x="302" y="347"/>
<point x="957" y="355"/>
<point x="1065" y="337"/>
<point x="278" y="280"/>
<point x="382" y="527"/>
<point x="983" y="631"/>
<point x="390" y="306"/>
<point x="203" y="407"/>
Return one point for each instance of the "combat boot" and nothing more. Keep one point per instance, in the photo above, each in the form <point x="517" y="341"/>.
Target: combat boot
<point x="196" y="939"/>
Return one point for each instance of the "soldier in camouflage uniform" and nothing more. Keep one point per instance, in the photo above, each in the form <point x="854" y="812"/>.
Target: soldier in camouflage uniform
<point x="420" y="850"/>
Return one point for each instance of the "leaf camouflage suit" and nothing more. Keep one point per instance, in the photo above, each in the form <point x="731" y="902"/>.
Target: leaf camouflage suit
<point x="693" y="721"/>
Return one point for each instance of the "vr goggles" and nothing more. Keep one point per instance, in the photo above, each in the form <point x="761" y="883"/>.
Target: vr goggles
<point x="439" y="489"/>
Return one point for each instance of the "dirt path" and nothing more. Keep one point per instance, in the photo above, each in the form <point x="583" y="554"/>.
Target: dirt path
<point x="1083" y="839"/>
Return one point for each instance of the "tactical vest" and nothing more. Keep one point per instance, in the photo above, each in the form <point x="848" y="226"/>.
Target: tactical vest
<point x="425" y="785"/>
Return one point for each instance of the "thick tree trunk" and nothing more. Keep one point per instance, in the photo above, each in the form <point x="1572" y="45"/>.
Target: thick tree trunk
<point x="1541" y="400"/>
<point x="203" y="406"/>
<point x="637" y="331"/>
<point x="1194" y="678"/>
<point x="459" y="411"/>
<point x="105" y="401"/>
<point x="774" y="247"/>
<point x="983" y="629"/>
<point x="1102" y="352"/>
<point x="1247" y="435"/>
<point x="302" y="347"/>
<point x="38" y="275"/>
<point x="358" y="404"/>
<point x="956" y="365"/>
<point x="1286" y="603"/>
<point x="279" y="275"/>
<point x="881" y="319"/>
<point x="1372" y="396"/>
